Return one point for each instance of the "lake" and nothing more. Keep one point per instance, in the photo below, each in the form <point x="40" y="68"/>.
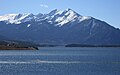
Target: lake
<point x="61" y="61"/>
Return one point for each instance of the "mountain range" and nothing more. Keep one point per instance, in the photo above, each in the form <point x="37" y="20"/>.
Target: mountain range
<point x="58" y="27"/>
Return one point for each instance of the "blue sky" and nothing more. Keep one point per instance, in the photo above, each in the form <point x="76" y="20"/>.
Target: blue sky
<point x="106" y="10"/>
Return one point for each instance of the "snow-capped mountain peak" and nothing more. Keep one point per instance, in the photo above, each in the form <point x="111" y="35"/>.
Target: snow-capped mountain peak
<point x="55" y="17"/>
<point x="15" y="18"/>
<point x="62" y="17"/>
<point x="67" y="17"/>
<point x="9" y="17"/>
<point x="53" y="12"/>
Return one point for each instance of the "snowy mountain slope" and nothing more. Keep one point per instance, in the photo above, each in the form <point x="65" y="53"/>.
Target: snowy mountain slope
<point x="58" y="17"/>
<point x="58" y="27"/>
<point x="16" y="18"/>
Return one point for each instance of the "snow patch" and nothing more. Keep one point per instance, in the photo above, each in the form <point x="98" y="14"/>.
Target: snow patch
<point x="28" y="25"/>
<point x="93" y="25"/>
<point x="84" y="18"/>
<point x="50" y="22"/>
<point x="59" y="19"/>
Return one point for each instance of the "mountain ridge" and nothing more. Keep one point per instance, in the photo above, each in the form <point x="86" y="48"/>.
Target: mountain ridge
<point x="19" y="18"/>
<point x="60" y="27"/>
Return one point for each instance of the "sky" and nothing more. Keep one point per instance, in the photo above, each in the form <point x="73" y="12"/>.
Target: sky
<point x="105" y="10"/>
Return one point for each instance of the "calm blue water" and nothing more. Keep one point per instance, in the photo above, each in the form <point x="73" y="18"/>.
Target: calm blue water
<point x="61" y="61"/>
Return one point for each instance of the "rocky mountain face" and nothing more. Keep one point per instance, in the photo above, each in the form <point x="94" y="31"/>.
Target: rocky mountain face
<point x="58" y="27"/>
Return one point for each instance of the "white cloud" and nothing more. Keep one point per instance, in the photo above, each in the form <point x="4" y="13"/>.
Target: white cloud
<point x="44" y="5"/>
